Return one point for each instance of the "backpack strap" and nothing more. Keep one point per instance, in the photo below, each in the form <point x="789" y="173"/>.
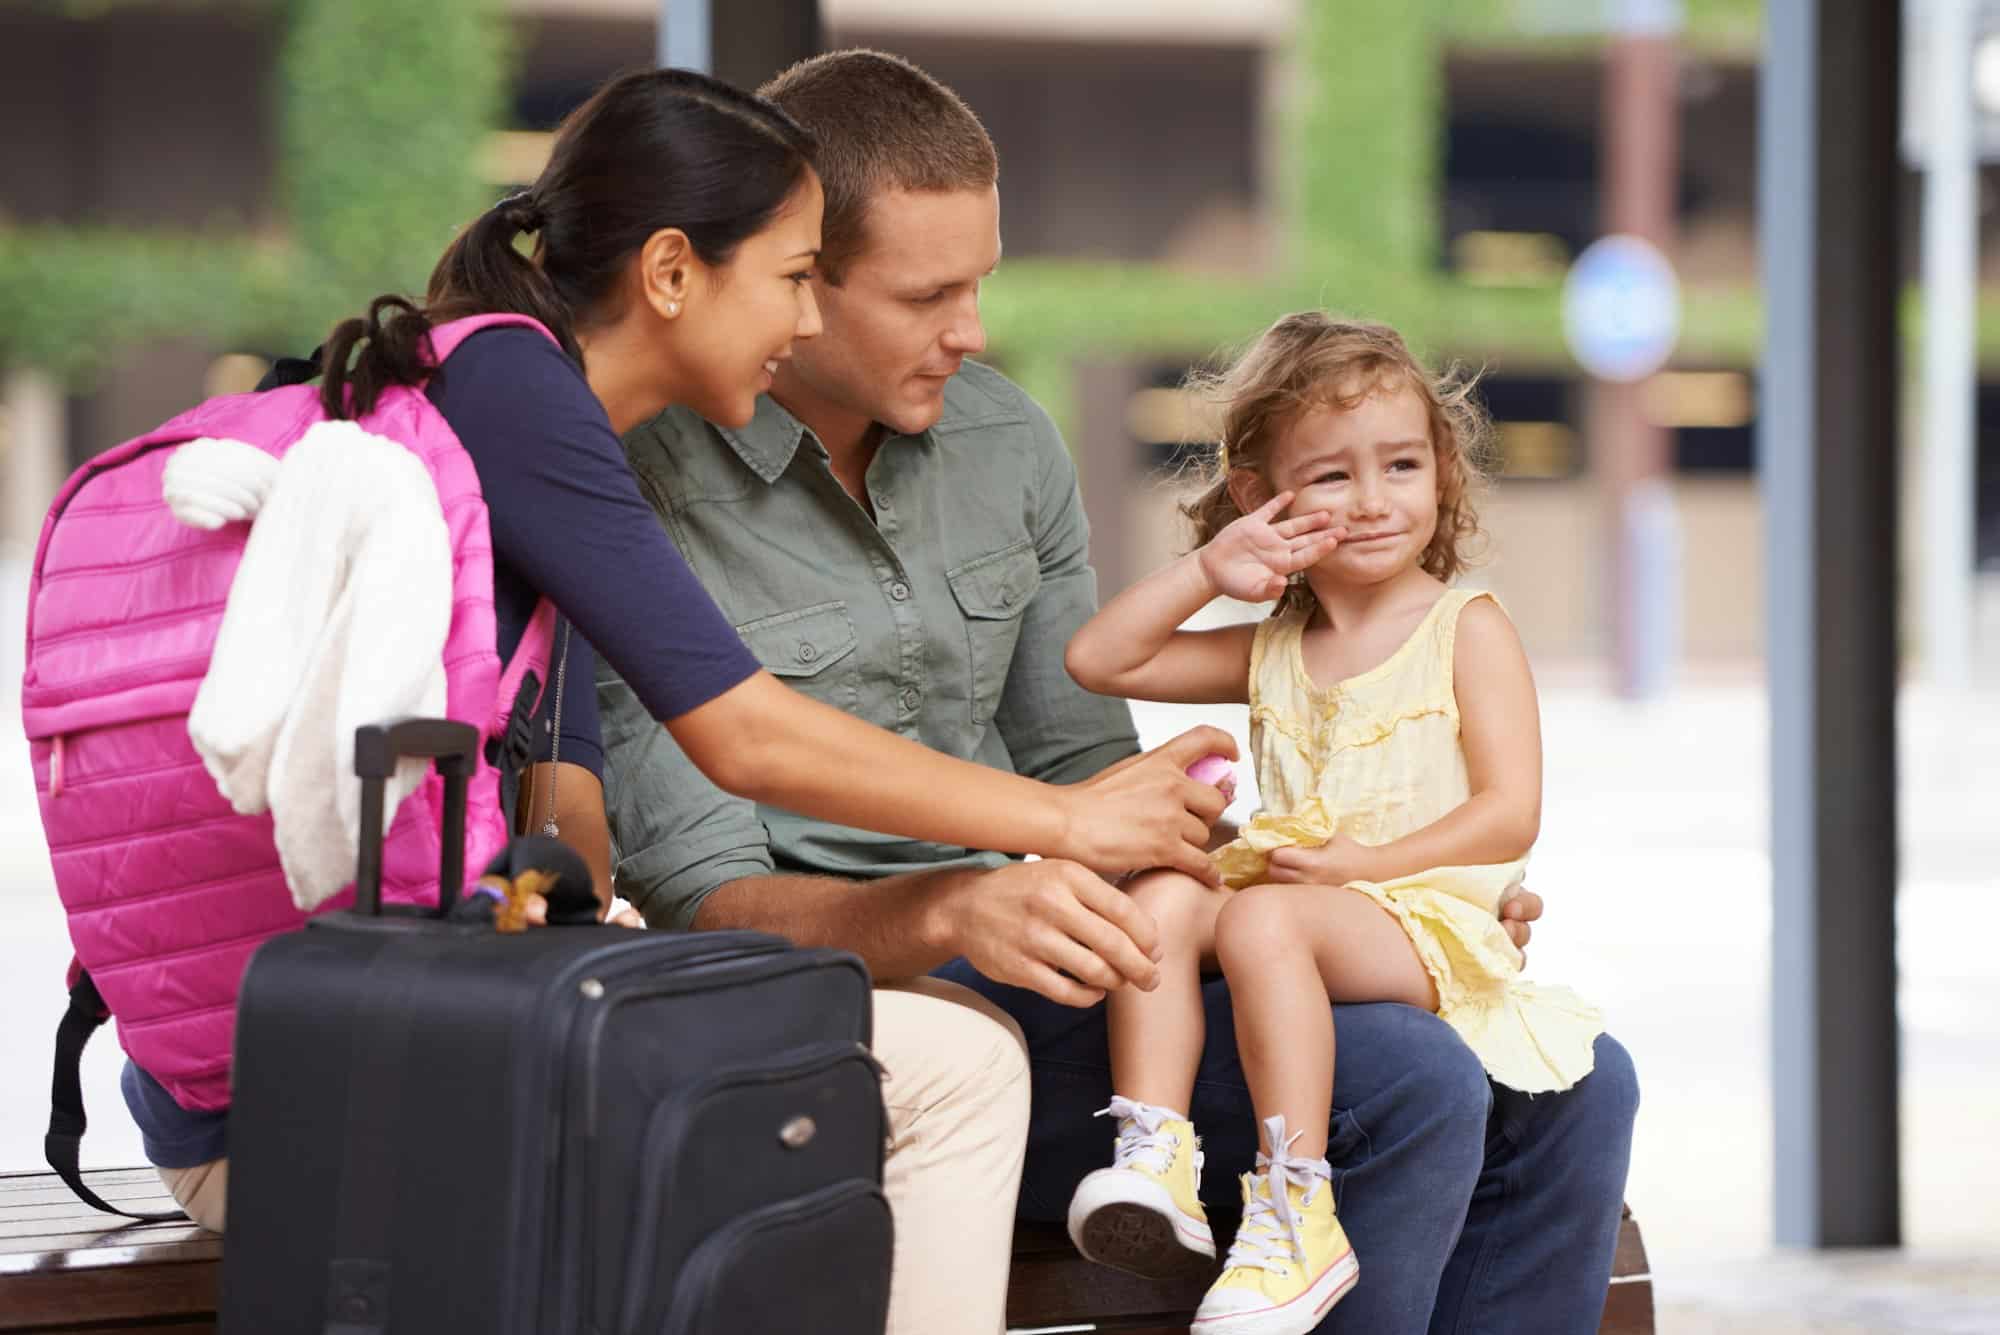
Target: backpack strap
<point x="520" y="694"/>
<point x="66" y="1120"/>
<point x="446" y="337"/>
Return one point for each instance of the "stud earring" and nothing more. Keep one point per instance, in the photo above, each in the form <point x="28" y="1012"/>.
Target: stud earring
<point x="673" y="308"/>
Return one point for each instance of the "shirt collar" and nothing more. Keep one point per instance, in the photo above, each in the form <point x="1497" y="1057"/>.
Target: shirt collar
<point x="768" y="444"/>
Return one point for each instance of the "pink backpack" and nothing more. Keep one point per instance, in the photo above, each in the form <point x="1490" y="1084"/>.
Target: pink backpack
<point x="168" y="890"/>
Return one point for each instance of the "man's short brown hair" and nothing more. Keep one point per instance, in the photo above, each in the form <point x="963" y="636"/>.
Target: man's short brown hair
<point x="882" y="124"/>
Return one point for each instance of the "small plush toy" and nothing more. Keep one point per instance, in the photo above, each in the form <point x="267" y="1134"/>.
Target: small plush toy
<point x="1216" y="770"/>
<point x="528" y="866"/>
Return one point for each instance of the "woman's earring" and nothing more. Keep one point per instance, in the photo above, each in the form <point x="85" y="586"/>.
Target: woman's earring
<point x="673" y="309"/>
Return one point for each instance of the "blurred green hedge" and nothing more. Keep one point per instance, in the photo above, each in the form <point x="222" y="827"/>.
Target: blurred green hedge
<point x="382" y="105"/>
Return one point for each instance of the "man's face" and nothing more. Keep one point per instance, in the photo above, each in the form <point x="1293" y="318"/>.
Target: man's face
<point x="906" y="312"/>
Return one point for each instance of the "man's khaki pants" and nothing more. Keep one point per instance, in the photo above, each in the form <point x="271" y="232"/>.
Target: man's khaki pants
<point x="957" y="1095"/>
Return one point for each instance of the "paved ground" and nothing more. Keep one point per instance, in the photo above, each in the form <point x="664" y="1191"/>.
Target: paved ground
<point x="1654" y="860"/>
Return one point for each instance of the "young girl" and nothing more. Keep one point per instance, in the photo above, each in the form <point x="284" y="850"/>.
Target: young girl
<point x="1394" y="726"/>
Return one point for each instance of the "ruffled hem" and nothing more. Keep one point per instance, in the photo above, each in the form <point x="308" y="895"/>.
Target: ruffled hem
<point x="1530" y="1037"/>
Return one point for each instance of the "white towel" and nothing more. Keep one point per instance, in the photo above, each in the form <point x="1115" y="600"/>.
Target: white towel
<point x="337" y="618"/>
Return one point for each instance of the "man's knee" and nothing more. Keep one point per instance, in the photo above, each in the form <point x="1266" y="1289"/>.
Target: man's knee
<point x="1610" y="1093"/>
<point x="966" y="1049"/>
<point x="1433" y="1073"/>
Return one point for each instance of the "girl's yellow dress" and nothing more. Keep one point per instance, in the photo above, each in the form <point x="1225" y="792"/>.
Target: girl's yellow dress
<point x="1375" y="757"/>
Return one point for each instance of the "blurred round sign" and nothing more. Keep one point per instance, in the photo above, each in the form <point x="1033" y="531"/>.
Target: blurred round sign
<point x="1621" y="308"/>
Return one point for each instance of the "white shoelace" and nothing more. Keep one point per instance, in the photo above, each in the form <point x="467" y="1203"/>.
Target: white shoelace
<point x="1141" y="1142"/>
<point x="1268" y="1238"/>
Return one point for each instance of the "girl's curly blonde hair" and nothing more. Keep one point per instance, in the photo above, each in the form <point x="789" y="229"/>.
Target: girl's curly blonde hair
<point x="1314" y="360"/>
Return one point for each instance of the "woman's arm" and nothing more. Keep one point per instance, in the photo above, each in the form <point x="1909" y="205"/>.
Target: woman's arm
<point x="579" y="814"/>
<point x="1134" y="646"/>
<point x="1500" y="729"/>
<point x="765" y="741"/>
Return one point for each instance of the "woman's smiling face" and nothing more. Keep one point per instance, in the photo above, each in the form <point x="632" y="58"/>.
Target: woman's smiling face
<point x="758" y="305"/>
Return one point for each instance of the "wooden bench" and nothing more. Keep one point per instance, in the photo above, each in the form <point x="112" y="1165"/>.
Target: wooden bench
<point x="66" y="1269"/>
<point x="1052" y="1286"/>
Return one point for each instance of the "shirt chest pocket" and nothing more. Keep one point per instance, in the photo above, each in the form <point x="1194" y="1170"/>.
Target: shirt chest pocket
<point x="804" y="647"/>
<point x="992" y="592"/>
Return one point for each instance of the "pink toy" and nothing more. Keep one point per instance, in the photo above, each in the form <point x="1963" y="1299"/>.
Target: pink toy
<point x="1216" y="770"/>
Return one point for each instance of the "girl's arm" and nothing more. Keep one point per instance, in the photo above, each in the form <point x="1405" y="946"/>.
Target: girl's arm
<point x="1134" y="646"/>
<point x="762" y="740"/>
<point x="1500" y="728"/>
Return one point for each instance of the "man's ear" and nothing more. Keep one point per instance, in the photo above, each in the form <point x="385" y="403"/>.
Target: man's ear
<point x="1248" y="489"/>
<point x="667" y="265"/>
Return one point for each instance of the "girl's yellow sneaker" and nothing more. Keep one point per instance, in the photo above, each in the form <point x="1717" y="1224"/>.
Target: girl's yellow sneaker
<point x="1143" y="1214"/>
<point x="1290" y="1262"/>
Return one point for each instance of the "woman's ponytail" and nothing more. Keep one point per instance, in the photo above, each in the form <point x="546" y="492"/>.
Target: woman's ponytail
<point x="385" y="347"/>
<point x="480" y="273"/>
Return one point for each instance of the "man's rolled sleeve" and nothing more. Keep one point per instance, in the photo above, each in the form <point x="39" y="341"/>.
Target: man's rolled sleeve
<point x="1055" y="730"/>
<point x="677" y="836"/>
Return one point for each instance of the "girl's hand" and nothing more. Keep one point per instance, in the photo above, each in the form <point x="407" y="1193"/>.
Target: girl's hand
<point x="1253" y="558"/>
<point x="1335" y="862"/>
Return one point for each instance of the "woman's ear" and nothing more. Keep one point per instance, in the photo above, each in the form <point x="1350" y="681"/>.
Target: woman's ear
<point x="667" y="265"/>
<point x="1248" y="489"/>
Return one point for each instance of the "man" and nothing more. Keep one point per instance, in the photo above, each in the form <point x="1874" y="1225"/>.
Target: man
<point x="898" y="533"/>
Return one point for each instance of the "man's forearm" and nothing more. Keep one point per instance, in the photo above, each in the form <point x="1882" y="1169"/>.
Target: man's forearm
<point x="893" y="923"/>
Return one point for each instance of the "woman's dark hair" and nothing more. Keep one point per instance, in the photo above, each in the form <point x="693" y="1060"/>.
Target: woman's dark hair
<point x="651" y="149"/>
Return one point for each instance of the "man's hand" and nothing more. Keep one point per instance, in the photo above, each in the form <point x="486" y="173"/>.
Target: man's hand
<point x="1519" y="910"/>
<point x="1145" y="811"/>
<point x="1031" y="923"/>
<point x="1335" y="862"/>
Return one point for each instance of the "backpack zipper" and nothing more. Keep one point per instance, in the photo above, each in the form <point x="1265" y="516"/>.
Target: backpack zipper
<point x="55" y="765"/>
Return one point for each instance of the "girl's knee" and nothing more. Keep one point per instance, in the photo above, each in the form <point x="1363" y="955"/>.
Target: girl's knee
<point x="1168" y="893"/>
<point x="1255" y="922"/>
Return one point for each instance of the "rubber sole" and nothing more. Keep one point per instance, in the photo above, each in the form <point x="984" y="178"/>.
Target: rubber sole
<point x="1136" y="1236"/>
<point x="1297" y="1317"/>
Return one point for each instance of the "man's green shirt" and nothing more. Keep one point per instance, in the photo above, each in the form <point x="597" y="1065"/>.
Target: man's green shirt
<point x="943" y="617"/>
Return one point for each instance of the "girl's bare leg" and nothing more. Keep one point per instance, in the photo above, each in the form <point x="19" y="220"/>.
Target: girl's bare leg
<point x="1286" y="950"/>
<point x="1156" y="1036"/>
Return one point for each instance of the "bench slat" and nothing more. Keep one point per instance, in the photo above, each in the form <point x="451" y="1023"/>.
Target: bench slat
<point x="45" y="1300"/>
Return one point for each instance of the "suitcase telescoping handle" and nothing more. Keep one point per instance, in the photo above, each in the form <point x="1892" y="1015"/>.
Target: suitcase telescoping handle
<point x="377" y="748"/>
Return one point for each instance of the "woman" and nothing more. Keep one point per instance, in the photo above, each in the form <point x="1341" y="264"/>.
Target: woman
<point x="674" y="229"/>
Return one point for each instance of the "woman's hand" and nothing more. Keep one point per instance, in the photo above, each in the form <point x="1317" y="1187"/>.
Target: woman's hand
<point x="1335" y="862"/>
<point x="1146" y="812"/>
<point x="1254" y="557"/>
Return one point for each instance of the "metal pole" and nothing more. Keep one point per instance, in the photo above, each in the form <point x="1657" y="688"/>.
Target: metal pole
<point x="1641" y="148"/>
<point x="1951" y="282"/>
<point x="1826" y="434"/>
<point x="686" y="35"/>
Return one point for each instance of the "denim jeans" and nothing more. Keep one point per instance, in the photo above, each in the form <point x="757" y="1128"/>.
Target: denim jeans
<point x="1474" y="1210"/>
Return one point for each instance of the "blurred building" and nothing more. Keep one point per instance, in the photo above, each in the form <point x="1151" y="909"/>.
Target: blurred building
<point x="1128" y="129"/>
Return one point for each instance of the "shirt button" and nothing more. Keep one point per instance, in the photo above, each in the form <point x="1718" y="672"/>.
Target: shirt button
<point x="899" y="591"/>
<point x="912" y="697"/>
<point x="807" y="653"/>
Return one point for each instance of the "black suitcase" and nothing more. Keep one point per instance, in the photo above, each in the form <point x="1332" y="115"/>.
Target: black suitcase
<point x="438" y="1128"/>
